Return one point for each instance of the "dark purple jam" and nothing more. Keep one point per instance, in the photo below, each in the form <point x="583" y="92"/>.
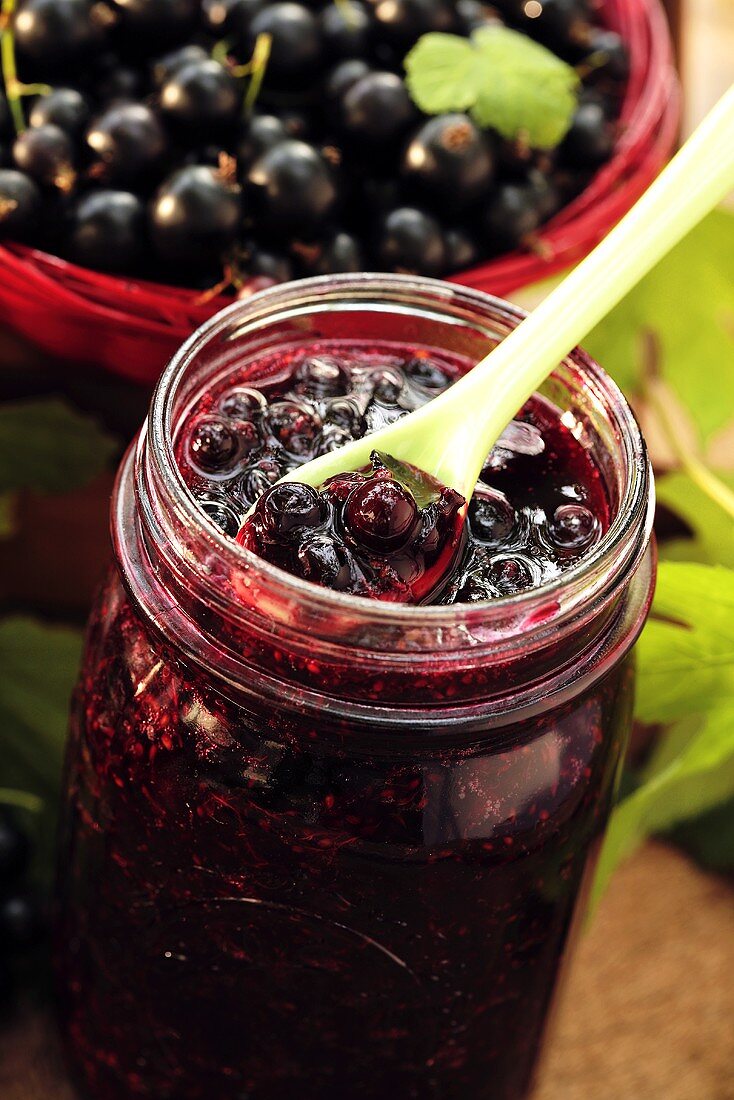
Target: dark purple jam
<point x="302" y="860"/>
<point x="539" y="506"/>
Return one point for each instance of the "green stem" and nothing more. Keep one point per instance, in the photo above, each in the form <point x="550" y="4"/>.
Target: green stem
<point x="24" y="800"/>
<point x="690" y="464"/>
<point x="10" y="71"/>
<point x="221" y="50"/>
<point x="258" y="65"/>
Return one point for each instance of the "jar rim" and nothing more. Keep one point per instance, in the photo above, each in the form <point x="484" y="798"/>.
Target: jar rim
<point x="620" y="548"/>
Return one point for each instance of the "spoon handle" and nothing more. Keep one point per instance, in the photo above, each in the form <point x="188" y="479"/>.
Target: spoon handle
<point x="483" y="402"/>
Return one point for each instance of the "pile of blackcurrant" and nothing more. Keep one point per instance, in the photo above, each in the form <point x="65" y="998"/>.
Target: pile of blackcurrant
<point x="21" y="919"/>
<point x="196" y="141"/>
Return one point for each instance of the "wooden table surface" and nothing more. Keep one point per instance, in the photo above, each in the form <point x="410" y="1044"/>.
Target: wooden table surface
<point x="647" y="1014"/>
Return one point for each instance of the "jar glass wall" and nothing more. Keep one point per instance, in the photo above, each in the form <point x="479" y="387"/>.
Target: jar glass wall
<point x="322" y="846"/>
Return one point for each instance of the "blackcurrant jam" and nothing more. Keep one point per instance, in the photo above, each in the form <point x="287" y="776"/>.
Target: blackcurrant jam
<point x="322" y="846"/>
<point x="385" y="532"/>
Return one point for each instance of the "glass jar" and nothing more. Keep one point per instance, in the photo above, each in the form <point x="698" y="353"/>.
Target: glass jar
<point x="321" y="846"/>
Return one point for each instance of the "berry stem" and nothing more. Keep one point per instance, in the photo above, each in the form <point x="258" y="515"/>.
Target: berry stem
<point x="13" y="90"/>
<point x="659" y="399"/>
<point x="258" y="65"/>
<point x="221" y="50"/>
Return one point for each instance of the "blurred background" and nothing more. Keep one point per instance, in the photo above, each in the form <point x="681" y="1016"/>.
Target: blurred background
<point x="650" y="1000"/>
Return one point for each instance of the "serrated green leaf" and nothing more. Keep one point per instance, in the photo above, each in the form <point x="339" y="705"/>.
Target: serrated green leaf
<point x="443" y="73"/>
<point x="47" y="446"/>
<point x="507" y="81"/>
<point x="687" y="304"/>
<point x="423" y="488"/>
<point x="713" y="528"/>
<point x="527" y="90"/>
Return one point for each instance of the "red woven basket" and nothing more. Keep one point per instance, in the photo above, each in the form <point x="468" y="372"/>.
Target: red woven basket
<point x="132" y="327"/>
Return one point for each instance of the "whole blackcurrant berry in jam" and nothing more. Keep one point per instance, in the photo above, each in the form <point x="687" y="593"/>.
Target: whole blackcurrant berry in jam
<point x="258" y="478"/>
<point x="510" y="574"/>
<point x="327" y="562"/>
<point x="321" y="376"/>
<point x="381" y="515"/>
<point x="425" y="372"/>
<point x="243" y="403"/>
<point x="222" y="513"/>
<point x="213" y="446"/>
<point x="294" y="427"/>
<point x="573" y="527"/>
<point x="289" y="507"/>
<point x="491" y="517"/>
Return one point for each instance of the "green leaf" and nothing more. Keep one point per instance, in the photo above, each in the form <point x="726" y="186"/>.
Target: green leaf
<point x="424" y="489"/>
<point x="507" y="81"/>
<point x="527" y="90"/>
<point x="38" y="667"/>
<point x="686" y="304"/>
<point x="444" y="73"/>
<point x="698" y="779"/>
<point x="713" y="539"/>
<point x="686" y="652"/>
<point x="686" y="677"/>
<point x="47" y="446"/>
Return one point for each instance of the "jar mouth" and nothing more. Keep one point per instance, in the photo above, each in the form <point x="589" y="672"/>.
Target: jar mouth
<point x="616" y="555"/>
